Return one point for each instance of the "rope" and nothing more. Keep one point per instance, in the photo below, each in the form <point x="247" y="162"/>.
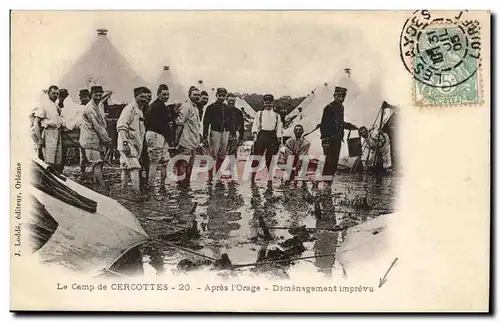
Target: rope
<point x="365" y="146"/>
<point x="284" y="260"/>
<point x="114" y="272"/>
<point x="168" y="224"/>
<point x="185" y="249"/>
<point x="308" y="228"/>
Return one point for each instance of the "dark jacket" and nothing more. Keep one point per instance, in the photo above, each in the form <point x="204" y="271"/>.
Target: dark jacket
<point x="216" y="118"/>
<point x="159" y="118"/>
<point x="332" y="123"/>
<point x="236" y="122"/>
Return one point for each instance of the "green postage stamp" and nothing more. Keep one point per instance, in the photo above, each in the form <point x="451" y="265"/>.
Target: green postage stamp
<point x="443" y="55"/>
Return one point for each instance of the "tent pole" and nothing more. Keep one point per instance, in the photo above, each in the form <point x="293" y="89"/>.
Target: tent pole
<point x="378" y="137"/>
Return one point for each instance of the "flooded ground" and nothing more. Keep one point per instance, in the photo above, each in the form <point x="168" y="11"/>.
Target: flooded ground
<point x="254" y="223"/>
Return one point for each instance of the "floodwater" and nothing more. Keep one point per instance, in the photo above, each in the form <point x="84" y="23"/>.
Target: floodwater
<point x="252" y="223"/>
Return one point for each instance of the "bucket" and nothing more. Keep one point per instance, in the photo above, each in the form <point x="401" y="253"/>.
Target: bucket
<point x="354" y="146"/>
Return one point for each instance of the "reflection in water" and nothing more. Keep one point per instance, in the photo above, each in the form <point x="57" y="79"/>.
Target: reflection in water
<point x="256" y="206"/>
<point x="228" y="217"/>
<point x="297" y="203"/>
<point x="326" y="240"/>
<point x="222" y="217"/>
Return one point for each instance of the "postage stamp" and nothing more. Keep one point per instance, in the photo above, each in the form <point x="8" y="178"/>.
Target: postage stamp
<point x="443" y="54"/>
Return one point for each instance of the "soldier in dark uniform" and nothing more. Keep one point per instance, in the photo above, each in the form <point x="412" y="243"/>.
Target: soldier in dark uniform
<point x="236" y="129"/>
<point x="332" y="131"/>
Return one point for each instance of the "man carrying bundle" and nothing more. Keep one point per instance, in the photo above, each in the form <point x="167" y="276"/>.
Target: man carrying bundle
<point x="93" y="135"/>
<point x="131" y="132"/>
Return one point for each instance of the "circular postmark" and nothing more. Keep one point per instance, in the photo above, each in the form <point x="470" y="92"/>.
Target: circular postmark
<point x="440" y="51"/>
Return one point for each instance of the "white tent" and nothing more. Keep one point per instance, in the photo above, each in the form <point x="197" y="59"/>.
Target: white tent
<point x="361" y="109"/>
<point x="323" y="95"/>
<point x="241" y="104"/>
<point x="102" y="65"/>
<point x="178" y="94"/>
<point x="303" y="105"/>
<point x="87" y="239"/>
<point x="364" y="111"/>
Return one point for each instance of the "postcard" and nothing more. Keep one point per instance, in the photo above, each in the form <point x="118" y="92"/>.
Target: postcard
<point x="250" y="161"/>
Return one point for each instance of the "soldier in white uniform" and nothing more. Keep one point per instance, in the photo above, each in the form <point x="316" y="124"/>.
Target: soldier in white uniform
<point x="267" y="131"/>
<point x="47" y="128"/>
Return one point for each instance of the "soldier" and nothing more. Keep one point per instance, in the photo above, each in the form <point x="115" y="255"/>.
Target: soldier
<point x="188" y="122"/>
<point x="93" y="135"/>
<point x="267" y="131"/>
<point x="201" y="104"/>
<point x="332" y="131"/>
<point x="158" y="136"/>
<point x="47" y="128"/>
<point x="377" y="146"/>
<point x="236" y="129"/>
<point x="131" y="132"/>
<point x="296" y="147"/>
<point x="216" y="122"/>
<point x="84" y="96"/>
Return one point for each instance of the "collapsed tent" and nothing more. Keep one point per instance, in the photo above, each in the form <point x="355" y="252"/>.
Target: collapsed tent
<point x="103" y="65"/>
<point x="367" y="246"/>
<point x="77" y="228"/>
<point x="178" y="94"/>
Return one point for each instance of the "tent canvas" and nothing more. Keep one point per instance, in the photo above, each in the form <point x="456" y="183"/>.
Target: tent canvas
<point x="360" y="109"/>
<point x="102" y="65"/>
<point x="210" y="91"/>
<point x="178" y="94"/>
<point x="323" y="95"/>
<point x="304" y="104"/>
<point x="364" y="111"/>
<point x="85" y="241"/>
<point x="241" y="103"/>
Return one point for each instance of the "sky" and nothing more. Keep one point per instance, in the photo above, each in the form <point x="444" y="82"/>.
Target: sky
<point x="283" y="53"/>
